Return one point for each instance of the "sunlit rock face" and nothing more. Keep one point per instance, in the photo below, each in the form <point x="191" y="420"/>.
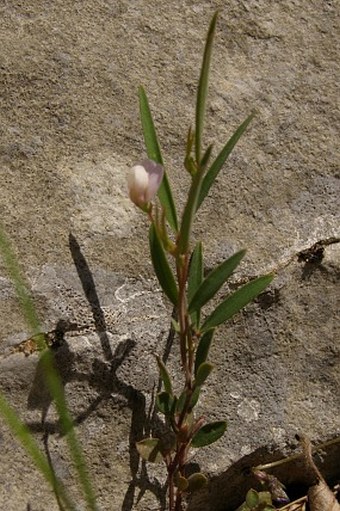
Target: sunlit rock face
<point x="70" y="132"/>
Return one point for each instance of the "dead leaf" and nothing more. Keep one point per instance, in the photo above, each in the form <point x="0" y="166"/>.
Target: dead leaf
<point x="320" y="496"/>
<point x="297" y="505"/>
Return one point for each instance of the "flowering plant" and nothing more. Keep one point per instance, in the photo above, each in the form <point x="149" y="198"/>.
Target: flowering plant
<point x="186" y="287"/>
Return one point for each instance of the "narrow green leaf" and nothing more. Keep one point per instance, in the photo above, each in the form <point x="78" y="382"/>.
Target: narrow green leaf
<point x="49" y="370"/>
<point x="173" y="406"/>
<point x="214" y="281"/>
<point x="237" y="301"/>
<point x="195" y="270"/>
<point x="206" y="156"/>
<point x="203" y="372"/>
<point x="189" y="162"/>
<point x="23" y="295"/>
<point x="181" y="401"/>
<point x="149" y="450"/>
<point x="203" y="348"/>
<point x="203" y="89"/>
<point x="194" y="398"/>
<point x="165" y="377"/>
<point x="208" y="434"/>
<point x="190" y="165"/>
<point x="189" y="213"/>
<point x="154" y="153"/>
<point x="164" y="403"/>
<point x="195" y="189"/>
<point x="216" y="166"/>
<point x="196" y="482"/>
<point x="149" y="131"/>
<point x="195" y="278"/>
<point x="57" y="391"/>
<point x="161" y="266"/>
<point x="183" y="398"/>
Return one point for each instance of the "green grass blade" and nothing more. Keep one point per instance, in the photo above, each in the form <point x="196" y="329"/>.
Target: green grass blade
<point x="195" y="278"/>
<point x="216" y="166"/>
<point x="237" y="301"/>
<point x="22" y="433"/>
<point x="154" y="153"/>
<point x="214" y="281"/>
<point x="162" y="267"/>
<point x="203" y="89"/>
<point x="52" y="377"/>
<point x="57" y="391"/>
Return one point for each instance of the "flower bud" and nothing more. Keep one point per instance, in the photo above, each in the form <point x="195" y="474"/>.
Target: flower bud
<point x="144" y="179"/>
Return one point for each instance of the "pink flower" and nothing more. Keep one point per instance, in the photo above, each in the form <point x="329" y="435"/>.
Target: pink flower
<point x="144" y="179"/>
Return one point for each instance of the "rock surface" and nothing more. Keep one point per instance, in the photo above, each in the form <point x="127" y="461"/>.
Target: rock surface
<point x="69" y="131"/>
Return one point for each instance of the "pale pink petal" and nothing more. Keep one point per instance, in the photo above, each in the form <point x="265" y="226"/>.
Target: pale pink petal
<point x="155" y="172"/>
<point x="138" y="181"/>
<point x="144" y="179"/>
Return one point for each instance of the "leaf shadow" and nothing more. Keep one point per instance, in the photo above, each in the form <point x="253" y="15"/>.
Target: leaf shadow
<point x="103" y="379"/>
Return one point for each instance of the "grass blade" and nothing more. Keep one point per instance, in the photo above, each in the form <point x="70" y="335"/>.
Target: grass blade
<point x="203" y="89"/>
<point x="154" y="153"/>
<point x="237" y="301"/>
<point x="22" y="433"/>
<point x="57" y="391"/>
<point x="216" y="166"/>
<point x="51" y="375"/>
<point x="22" y="293"/>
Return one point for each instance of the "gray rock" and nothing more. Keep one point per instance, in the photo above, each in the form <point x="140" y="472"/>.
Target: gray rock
<point x="70" y="130"/>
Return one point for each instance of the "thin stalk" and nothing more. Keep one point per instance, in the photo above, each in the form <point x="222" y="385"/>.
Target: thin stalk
<point x="182" y="272"/>
<point x="171" y="491"/>
<point x="186" y="347"/>
<point x="296" y="456"/>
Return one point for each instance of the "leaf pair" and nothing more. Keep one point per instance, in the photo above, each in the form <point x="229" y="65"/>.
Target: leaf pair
<point x="193" y="483"/>
<point x="200" y="291"/>
<point x="235" y="302"/>
<point x="207" y="288"/>
<point x="257" y="501"/>
<point x="151" y="449"/>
